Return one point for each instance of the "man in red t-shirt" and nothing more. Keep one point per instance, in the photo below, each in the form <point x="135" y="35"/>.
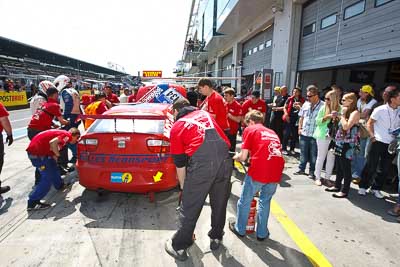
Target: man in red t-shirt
<point x="4" y="125"/>
<point x="113" y="98"/>
<point x="234" y="116"/>
<point x="43" y="151"/>
<point x="264" y="174"/>
<point x="200" y="151"/>
<point x="42" y="119"/>
<point x="255" y="103"/>
<point x="214" y="103"/>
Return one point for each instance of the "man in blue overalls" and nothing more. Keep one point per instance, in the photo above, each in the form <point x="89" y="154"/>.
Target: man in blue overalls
<point x="200" y="150"/>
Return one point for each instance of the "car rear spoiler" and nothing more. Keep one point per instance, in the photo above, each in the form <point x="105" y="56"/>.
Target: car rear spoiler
<point x="120" y="116"/>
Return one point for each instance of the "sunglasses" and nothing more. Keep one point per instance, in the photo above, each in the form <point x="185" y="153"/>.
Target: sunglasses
<point x="309" y="96"/>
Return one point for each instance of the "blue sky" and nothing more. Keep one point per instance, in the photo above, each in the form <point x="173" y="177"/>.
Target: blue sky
<point x="136" y="34"/>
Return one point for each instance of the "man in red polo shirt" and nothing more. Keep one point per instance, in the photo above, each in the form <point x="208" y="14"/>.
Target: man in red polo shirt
<point x="43" y="151"/>
<point x="200" y="151"/>
<point x="113" y="98"/>
<point x="255" y="103"/>
<point x="6" y="125"/>
<point x="234" y="116"/>
<point x="264" y="174"/>
<point x="214" y="103"/>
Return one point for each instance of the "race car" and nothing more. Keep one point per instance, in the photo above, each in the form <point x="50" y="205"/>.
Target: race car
<point x="160" y="93"/>
<point x="127" y="149"/>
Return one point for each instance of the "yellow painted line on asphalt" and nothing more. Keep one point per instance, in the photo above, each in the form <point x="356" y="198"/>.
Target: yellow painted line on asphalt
<point x="309" y="249"/>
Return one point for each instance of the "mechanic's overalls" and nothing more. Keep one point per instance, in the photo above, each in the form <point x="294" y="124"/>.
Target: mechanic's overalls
<point x="208" y="173"/>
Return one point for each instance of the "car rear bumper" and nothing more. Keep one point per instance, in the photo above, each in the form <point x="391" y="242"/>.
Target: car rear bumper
<point x="131" y="178"/>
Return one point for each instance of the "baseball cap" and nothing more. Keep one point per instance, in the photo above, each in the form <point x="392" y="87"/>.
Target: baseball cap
<point x="277" y="88"/>
<point x="367" y="89"/>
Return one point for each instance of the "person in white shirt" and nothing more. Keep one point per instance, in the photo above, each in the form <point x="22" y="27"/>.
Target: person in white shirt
<point x="123" y="98"/>
<point x="384" y="119"/>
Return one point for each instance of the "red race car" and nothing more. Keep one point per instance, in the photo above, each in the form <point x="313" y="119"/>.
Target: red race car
<point x="127" y="150"/>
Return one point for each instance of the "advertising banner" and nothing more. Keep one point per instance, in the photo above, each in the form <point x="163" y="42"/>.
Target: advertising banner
<point x="13" y="98"/>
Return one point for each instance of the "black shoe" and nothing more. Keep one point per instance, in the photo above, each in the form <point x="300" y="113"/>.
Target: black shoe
<point x="215" y="243"/>
<point x="38" y="206"/>
<point x="233" y="229"/>
<point x="261" y="238"/>
<point x="339" y="196"/>
<point x="4" y="189"/>
<point x="300" y="172"/>
<point x="312" y="176"/>
<point x="332" y="189"/>
<point x="62" y="170"/>
<point x="180" y="255"/>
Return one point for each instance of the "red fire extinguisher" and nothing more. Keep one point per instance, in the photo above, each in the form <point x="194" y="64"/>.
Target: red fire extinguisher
<point x="251" y="221"/>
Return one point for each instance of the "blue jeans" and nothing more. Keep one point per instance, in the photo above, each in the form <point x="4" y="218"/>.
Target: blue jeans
<point x="359" y="160"/>
<point x="49" y="174"/>
<point x="308" y="153"/>
<point x="250" y="187"/>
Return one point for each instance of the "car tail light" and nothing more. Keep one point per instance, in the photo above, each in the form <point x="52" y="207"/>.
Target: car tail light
<point x="158" y="146"/>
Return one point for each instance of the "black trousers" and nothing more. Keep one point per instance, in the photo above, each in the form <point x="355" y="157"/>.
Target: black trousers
<point x="377" y="155"/>
<point x="1" y="152"/>
<point x="232" y="140"/>
<point x="343" y="172"/>
<point x="290" y="133"/>
<point x="208" y="173"/>
<point x="277" y="126"/>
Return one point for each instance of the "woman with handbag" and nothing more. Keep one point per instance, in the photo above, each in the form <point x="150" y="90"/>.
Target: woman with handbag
<point x="324" y="133"/>
<point x="347" y="139"/>
<point x="364" y="105"/>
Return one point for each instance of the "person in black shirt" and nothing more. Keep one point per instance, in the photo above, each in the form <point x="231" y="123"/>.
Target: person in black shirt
<point x="277" y="113"/>
<point x="192" y="96"/>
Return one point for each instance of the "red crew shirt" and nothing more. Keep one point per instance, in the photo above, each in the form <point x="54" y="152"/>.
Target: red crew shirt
<point x="113" y="98"/>
<point x="186" y="138"/>
<point x="132" y="98"/>
<point x="266" y="161"/>
<point x="40" y="144"/>
<point x="41" y="120"/>
<point x="3" y="113"/>
<point x="259" y="105"/>
<point x="235" y="109"/>
<point x="215" y="105"/>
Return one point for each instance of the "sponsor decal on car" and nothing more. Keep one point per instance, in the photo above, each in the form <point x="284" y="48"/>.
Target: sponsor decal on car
<point x="121" y="177"/>
<point x="116" y="158"/>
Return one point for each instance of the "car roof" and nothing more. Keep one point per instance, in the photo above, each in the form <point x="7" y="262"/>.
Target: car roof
<point x="142" y="108"/>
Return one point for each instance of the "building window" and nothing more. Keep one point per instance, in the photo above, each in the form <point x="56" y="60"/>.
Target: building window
<point x="354" y="10"/>
<point x="309" y="29"/>
<point x="244" y="54"/>
<point x="381" y="2"/>
<point x="250" y="52"/>
<point x="261" y="47"/>
<point x="255" y="49"/>
<point x="328" y="21"/>
<point x="268" y="43"/>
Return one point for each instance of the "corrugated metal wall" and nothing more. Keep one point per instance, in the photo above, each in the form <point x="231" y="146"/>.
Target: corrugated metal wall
<point x="227" y="67"/>
<point x="370" y="36"/>
<point x="261" y="52"/>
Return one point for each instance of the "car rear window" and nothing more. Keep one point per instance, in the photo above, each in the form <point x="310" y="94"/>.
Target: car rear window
<point x="127" y="126"/>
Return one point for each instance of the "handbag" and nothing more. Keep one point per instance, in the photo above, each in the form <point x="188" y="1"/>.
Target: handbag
<point x="363" y="129"/>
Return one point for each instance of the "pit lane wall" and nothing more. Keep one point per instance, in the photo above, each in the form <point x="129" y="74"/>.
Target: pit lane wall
<point x="13" y="100"/>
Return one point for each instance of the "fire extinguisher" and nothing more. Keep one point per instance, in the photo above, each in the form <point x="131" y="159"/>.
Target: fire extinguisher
<point x="251" y="221"/>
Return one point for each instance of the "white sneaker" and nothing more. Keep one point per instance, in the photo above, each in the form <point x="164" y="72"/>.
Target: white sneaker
<point x="362" y="191"/>
<point x="318" y="182"/>
<point x="378" y="194"/>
